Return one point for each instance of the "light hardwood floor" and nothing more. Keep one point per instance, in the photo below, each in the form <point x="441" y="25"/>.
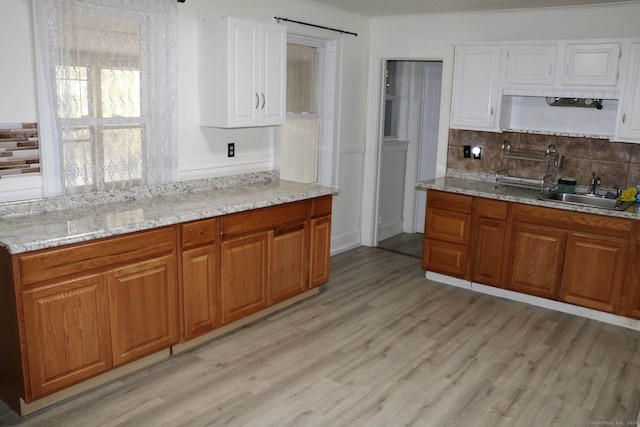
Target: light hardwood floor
<point x="382" y="346"/>
<point x="405" y="243"/>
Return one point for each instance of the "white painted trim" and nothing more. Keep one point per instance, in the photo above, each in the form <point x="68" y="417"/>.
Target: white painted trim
<point x="537" y="301"/>
<point x="374" y="130"/>
<point x="344" y="242"/>
<point x="190" y="171"/>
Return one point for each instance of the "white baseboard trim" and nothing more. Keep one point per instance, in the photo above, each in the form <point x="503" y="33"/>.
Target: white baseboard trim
<point x="390" y="229"/>
<point x="537" y="301"/>
<point x="345" y="242"/>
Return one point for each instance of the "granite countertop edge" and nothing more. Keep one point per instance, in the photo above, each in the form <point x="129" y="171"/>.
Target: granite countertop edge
<point x="473" y="187"/>
<point x="43" y="229"/>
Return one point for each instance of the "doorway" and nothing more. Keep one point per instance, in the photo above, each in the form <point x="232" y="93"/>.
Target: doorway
<point x="408" y="151"/>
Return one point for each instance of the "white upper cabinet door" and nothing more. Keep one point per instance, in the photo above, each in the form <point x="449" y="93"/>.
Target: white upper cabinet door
<point x="592" y="64"/>
<point x="628" y="126"/>
<point x="244" y="69"/>
<point x="531" y="64"/>
<point x="273" y="93"/>
<point x="475" y="99"/>
<point x="242" y="73"/>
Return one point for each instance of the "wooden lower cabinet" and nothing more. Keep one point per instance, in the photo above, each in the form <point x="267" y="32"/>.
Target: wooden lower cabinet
<point x="199" y="286"/>
<point x="535" y="258"/>
<point x="67" y="331"/>
<point x="444" y="257"/>
<point x="200" y="270"/>
<point x="319" y="256"/>
<point x="573" y="257"/>
<point x="488" y="250"/>
<point x="144" y="307"/>
<point x="594" y="271"/>
<point x="446" y="234"/>
<point x="489" y="230"/>
<point x="74" y="312"/>
<point x="289" y="266"/>
<point x="245" y="265"/>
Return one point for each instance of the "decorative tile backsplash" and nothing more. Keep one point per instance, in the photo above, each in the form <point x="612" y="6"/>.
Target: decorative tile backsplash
<point x="19" y="152"/>
<point x="616" y="163"/>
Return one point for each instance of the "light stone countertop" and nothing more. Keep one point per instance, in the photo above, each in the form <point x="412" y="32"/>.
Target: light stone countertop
<point x="474" y="187"/>
<point x="46" y="226"/>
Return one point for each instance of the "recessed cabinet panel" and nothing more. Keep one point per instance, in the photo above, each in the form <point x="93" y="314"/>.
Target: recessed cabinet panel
<point x="68" y="333"/>
<point x="143" y="300"/>
<point x="593" y="271"/>
<point x="593" y="64"/>
<point x="531" y="64"/>
<point x="629" y="113"/>
<point x="242" y="73"/>
<point x="475" y="88"/>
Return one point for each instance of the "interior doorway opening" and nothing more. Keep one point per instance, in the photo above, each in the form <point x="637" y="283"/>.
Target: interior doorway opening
<point x="409" y="146"/>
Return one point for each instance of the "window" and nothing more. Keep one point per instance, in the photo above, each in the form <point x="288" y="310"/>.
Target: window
<point x="301" y="132"/>
<point x="113" y="91"/>
<point x="308" y="146"/>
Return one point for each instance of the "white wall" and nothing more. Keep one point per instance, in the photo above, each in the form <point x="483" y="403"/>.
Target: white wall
<point x="423" y="36"/>
<point x="202" y="151"/>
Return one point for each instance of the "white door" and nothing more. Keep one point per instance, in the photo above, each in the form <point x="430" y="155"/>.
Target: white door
<point x="244" y="66"/>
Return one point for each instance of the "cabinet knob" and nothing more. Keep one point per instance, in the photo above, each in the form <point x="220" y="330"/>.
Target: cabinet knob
<point x="491" y="111"/>
<point x="257" y="100"/>
<point x="263" y="100"/>
<point x="624" y="117"/>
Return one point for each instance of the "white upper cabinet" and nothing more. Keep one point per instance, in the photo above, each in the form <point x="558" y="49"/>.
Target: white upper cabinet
<point x="628" y="125"/>
<point x="242" y="73"/>
<point x="530" y="64"/>
<point x="475" y="98"/>
<point x="591" y="64"/>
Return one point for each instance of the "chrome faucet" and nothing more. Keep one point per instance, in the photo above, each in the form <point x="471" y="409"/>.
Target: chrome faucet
<point x="595" y="181"/>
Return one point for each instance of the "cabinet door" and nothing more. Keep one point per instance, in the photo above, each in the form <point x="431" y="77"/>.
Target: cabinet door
<point x="67" y="333"/>
<point x="273" y="76"/>
<point x="593" y="271"/>
<point x="475" y="88"/>
<point x="199" y="286"/>
<point x="289" y="263"/>
<point x="244" y="67"/>
<point x="488" y="250"/>
<point x="593" y="64"/>
<point x="245" y="264"/>
<point x="448" y="226"/>
<point x="444" y="257"/>
<point x="320" y="250"/>
<point x="143" y="299"/>
<point x="535" y="260"/>
<point x="531" y="64"/>
<point x="629" y="112"/>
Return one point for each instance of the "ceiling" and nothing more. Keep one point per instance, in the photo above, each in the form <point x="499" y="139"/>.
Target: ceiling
<point x="410" y="7"/>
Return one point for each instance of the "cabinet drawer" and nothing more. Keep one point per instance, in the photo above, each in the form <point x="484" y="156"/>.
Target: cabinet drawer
<point x="445" y="258"/>
<point x="487" y="208"/>
<point x="321" y="206"/>
<point x="197" y="232"/>
<point x="84" y="257"/>
<point x="449" y="201"/>
<point x="447" y="226"/>
<point x="262" y="219"/>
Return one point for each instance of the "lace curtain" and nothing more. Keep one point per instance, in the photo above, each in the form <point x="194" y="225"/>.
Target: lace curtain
<point x="112" y="66"/>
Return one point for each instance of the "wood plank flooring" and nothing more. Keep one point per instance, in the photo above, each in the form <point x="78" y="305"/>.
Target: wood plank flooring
<point x="382" y="346"/>
<point x="405" y="243"/>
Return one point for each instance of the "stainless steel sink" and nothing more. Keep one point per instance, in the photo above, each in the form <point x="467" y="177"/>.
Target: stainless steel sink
<point x="590" y="200"/>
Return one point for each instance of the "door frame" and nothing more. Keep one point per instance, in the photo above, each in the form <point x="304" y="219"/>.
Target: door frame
<point x="375" y="127"/>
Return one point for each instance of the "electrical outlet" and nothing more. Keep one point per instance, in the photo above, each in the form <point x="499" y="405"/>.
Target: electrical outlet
<point x="466" y="151"/>
<point x="231" y="149"/>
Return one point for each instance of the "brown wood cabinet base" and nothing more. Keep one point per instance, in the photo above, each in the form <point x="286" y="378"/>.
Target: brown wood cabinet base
<point x="79" y="312"/>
